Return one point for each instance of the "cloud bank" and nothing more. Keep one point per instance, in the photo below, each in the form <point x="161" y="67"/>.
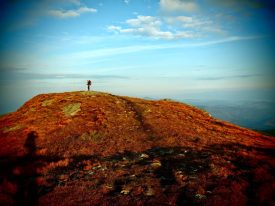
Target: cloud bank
<point x="178" y="5"/>
<point x="168" y="27"/>
<point x="71" y="13"/>
<point x="149" y="26"/>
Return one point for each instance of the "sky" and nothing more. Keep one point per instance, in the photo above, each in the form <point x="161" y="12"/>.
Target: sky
<point x="182" y="49"/>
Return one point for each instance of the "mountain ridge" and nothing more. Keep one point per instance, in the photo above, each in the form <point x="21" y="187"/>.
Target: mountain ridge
<point x="130" y="151"/>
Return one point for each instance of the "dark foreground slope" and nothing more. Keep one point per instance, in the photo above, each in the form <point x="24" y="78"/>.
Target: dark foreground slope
<point x="89" y="148"/>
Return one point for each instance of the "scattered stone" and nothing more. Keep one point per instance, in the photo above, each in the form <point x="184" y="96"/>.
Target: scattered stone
<point x="200" y="196"/>
<point x="107" y="189"/>
<point x="149" y="192"/>
<point x="96" y="167"/>
<point x="156" y="164"/>
<point x="148" y="110"/>
<point x="63" y="177"/>
<point x="90" y="172"/>
<point x="125" y="191"/>
<point x="144" y="156"/>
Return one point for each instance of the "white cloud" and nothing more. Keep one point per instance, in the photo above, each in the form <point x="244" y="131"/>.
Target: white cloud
<point x="184" y="35"/>
<point x="71" y="13"/>
<point x="144" y="21"/>
<point x="113" y="28"/>
<point x="85" y="9"/>
<point x="149" y="26"/>
<point x="178" y="5"/>
<point x="169" y="27"/>
<point x="191" y="22"/>
<point x="63" y="14"/>
<point x="126" y="1"/>
<point x="76" y="2"/>
<point x="196" y="24"/>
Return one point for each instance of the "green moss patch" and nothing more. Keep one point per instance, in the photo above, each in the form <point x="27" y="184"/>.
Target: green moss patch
<point x="94" y="93"/>
<point x="71" y="109"/>
<point x="32" y="109"/>
<point x="47" y="102"/>
<point x="11" y="128"/>
<point x="89" y="92"/>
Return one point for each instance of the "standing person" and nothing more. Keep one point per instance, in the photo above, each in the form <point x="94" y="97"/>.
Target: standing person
<point x="89" y="83"/>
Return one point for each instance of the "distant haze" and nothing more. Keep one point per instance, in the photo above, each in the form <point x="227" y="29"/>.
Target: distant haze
<point x="259" y="115"/>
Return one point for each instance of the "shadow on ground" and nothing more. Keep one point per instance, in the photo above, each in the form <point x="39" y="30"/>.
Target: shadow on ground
<point x="158" y="176"/>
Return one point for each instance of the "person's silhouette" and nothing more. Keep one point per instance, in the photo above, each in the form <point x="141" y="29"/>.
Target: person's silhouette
<point x="27" y="187"/>
<point x="89" y="83"/>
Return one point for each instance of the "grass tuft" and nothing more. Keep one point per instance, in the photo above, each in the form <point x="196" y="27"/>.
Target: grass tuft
<point x="91" y="136"/>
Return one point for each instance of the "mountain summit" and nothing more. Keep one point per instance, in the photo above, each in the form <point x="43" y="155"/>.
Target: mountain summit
<point x="92" y="148"/>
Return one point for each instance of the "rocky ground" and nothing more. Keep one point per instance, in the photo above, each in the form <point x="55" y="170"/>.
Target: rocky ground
<point x="92" y="148"/>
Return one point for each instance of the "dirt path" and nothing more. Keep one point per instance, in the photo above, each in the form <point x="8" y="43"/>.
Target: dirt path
<point x="131" y="106"/>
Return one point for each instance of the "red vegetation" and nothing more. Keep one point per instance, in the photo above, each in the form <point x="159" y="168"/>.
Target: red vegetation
<point x="90" y="148"/>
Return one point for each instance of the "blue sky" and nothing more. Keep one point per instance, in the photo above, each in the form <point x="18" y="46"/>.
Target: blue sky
<point x="145" y="48"/>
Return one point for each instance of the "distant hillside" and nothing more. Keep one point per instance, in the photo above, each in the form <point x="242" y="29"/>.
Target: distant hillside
<point x="269" y="132"/>
<point x="93" y="148"/>
<point x="258" y="115"/>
